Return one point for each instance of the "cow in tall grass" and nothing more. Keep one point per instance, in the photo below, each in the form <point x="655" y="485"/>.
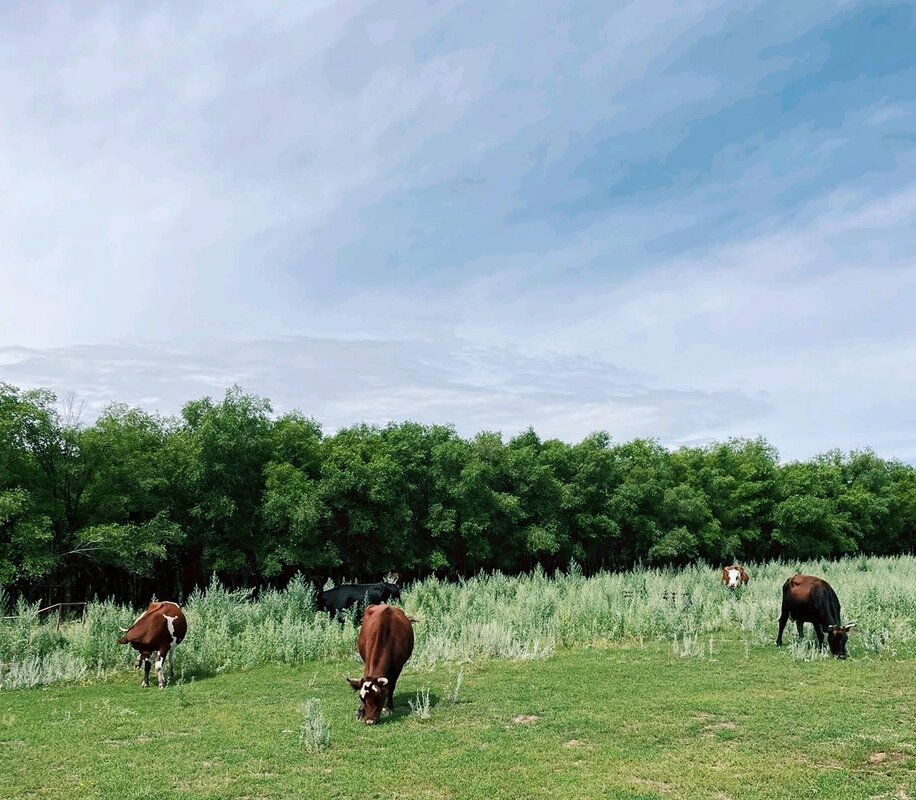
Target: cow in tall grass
<point x="733" y="576"/>
<point x="159" y="629"/>
<point x="347" y="595"/>
<point x="385" y="643"/>
<point x="809" y="599"/>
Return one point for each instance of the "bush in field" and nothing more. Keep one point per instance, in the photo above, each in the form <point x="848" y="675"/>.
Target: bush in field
<point x="488" y="616"/>
<point x="315" y="733"/>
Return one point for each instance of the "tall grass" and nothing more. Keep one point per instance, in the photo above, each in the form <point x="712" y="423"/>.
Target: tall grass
<point x="487" y="616"/>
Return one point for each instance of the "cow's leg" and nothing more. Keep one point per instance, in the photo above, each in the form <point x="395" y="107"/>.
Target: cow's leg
<point x="392" y="685"/>
<point x="146" y="665"/>
<point x="171" y="663"/>
<point x="801" y="628"/>
<point x="820" y="636"/>
<point x="159" y="663"/>
<point x="782" y="626"/>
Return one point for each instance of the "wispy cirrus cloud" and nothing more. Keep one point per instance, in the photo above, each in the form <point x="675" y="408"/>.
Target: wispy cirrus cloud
<point x="690" y="224"/>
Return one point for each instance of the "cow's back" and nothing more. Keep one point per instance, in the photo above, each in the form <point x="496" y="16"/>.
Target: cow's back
<point x="162" y="623"/>
<point x="385" y="640"/>
<point x="811" y="599"/>
<point x="347" y="595"/>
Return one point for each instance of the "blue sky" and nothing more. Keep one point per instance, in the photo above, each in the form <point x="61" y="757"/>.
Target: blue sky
<point x="685" y="220"/>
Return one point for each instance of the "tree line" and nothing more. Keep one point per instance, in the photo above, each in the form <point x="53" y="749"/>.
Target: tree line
<point x="135" y="503"/>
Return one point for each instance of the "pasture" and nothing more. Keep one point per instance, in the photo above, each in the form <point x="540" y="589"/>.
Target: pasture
<point x="651" y="683"/>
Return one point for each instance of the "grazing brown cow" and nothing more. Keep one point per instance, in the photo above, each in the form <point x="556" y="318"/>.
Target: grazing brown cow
<point x="159" y="629"/>
<point x="733" y="575"/>
<point x="385" y="643"/>
<point x="809" y="599"/>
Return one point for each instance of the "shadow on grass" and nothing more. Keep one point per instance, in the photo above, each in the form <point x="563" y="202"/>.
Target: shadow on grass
<point x="402" y="709"/>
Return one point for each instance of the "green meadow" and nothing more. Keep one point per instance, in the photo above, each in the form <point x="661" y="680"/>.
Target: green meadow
<point x="616" y="722"/>
<point x="645" y="684"/>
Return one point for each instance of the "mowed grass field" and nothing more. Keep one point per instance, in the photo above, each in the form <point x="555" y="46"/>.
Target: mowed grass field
<point x="622" y="720"/>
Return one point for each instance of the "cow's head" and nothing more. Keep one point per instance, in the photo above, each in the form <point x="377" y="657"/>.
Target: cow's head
<point x="373" y="692"/>
<point x="837" y="636"/>
<point x="390" y="591"/>
<point x="732" y="577"/>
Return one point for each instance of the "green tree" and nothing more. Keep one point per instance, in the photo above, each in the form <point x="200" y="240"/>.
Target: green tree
<point x="636" y="503"/>
<point x="809" y="519"/>
<point x="47" y="472"/>
<point x="218" y="456"/>
<point x="292" y="506"/>
<point x="127" y="501"/>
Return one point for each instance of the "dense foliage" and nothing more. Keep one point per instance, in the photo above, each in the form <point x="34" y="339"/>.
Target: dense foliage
<point x="136" y="504"/>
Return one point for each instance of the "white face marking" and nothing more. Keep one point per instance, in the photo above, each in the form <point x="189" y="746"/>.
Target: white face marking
<point x="365" y="690"/>
<point x="733" y="576"/>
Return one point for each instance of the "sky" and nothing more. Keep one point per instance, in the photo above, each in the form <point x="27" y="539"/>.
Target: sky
<point x="680" y="220"/>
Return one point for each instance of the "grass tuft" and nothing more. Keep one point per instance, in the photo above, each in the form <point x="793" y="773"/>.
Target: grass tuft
<point x="315" y="733"/>
<point x="419" y="707"/>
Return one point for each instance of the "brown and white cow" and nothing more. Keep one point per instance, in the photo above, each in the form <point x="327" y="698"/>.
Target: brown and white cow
<point x="809" y="599"/>
<point x="734" y="575"/>
<point x="385" y="643"/>
<point x="159" y="629"/>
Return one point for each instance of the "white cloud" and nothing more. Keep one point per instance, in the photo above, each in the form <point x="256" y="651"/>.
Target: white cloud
<point x="341" y="382"/>
<point x="318" y="201"/>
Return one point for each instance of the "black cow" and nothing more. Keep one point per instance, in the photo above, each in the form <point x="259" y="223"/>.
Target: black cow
<point x="809" y="599"/>
<point x="343" y="597"/>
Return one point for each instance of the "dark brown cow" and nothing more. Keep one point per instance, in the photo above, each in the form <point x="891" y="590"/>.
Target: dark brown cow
<point x="385" y="643"/>
<point x="159" y="629"/>
<point x="733" y="575"/>
<point x="809" y="599"/>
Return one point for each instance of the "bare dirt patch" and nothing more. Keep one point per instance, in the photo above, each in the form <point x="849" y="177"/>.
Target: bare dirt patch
<point x="713" y="728"/>
<point x="883" y="758"/>
<point x="525" y="719"/>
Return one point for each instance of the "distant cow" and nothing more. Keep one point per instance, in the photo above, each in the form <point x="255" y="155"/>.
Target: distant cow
<point x="809" y="599"/>
<point x="733" y="575"/>
<point x="340" y="598"/>
<point x="159" y="629"/>
<point x="385" y="643"/>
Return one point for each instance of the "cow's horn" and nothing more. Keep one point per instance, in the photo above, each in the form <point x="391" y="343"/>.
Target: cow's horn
<point x="124" y="630"/>
<point x="850" y="625"/>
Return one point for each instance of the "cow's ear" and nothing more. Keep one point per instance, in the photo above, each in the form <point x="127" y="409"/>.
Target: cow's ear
<point x="382" y="681"/>
<point x="356" y="683"/>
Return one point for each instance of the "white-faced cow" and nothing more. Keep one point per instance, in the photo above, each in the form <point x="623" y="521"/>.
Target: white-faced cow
<point x="159" y="629"/>
<point x="734" y="575"/>
<point x="809" y="599"/>
<point x="385" y="643"/>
